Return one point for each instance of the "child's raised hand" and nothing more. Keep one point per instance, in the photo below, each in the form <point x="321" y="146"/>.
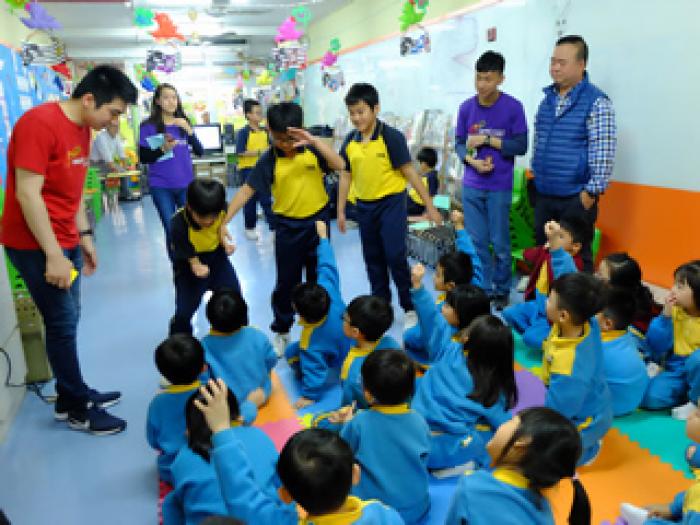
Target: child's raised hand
<point x="215" y="408"/>
<point x="322" y="229"/>
<point x="301" y="137"/>
<point x="457" y="218"/>
<point x="417" y="274"/>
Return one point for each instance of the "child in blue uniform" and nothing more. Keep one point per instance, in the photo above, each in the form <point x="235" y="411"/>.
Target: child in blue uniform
<point x="531" y="452"/>
<point x="200" y="257"/>
<point x="427" y="160"/>
<point x="239" y="354"/>
<point x="390" y="441"/>
<point x="366" y="320"/>
<point x="322" y="345"/>
<point x="180" y="360"/>
<point x="674" y="339"/>
<point x="316" y="469"/>
<point x="459" y="267"/>
<point x="624" y="367"/>
<point x="196" y="493"/>
<point x="685" y="507"/>
<point x="293" y="170"/>
<point x="529" y="318"/>
<point x="378" y="165"/>
<point x="572" y="360"/>
<point x="468" y="391"/>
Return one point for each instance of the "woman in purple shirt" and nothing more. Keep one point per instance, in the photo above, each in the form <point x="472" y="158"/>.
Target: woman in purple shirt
<point x="164" y="143"/>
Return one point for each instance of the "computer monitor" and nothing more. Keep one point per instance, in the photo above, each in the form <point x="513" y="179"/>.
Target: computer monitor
<point x="210" y="137"/>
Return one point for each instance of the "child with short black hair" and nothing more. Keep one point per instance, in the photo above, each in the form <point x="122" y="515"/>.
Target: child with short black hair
<point x="572" y="360"/>
<point x="624" y="367"/>
<point x="378" y="165"/>
<point x="180" y="360"/>
<point x="200" y="258"/>
<point x="239" y="354"/>
<point x="293" y="170"/>
<point x="459" y="267"/>
<point x="529" y="453"/>
<point x="316" y="469"/>
<point x="196" y="493"/>
<point x="674" y="338"/>
<point x="251" y="142"/>
<point x="322" y="345"/>
<point x="366" y="320"/>
<point x="529" y="318"/>
<point x="390" y="441"/>
<point x="427" y="160"/>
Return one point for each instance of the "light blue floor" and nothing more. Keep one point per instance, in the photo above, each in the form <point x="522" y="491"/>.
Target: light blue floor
<point x="50" y="474"/>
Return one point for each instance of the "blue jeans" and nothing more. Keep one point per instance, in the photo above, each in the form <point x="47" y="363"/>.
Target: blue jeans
<point x="167" y="201"/>
<point x="250" y="209"/>
<point x="487" y="220"/>
<point x="60" y="310"/>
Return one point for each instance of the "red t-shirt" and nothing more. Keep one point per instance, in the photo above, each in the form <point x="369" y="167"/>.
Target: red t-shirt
<point x="45" y="141"/>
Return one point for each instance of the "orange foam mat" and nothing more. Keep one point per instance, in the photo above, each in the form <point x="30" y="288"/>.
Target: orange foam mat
<point x="277" y="407"/>
<point x="623" y="472"/>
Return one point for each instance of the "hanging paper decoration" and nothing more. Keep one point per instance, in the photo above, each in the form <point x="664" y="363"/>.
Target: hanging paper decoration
<point x="335" y="45"/>
<point x="302" y="15"/>
<point x="287" y="31"/>
<point x="16" y="4"/>
<point x="192" y="15"/>
<point x="147" y="79"/>
<point x="328" y="59"/>
<point x="264" y="78"/>
<point x="41" y="47"/>
<point x="246" y="74"/>
<point x="167" y="62"/>
<point x="39" y="18"/>
<point x="239" y="83"/>
<point x="143" y="17"/>
<point x="166" y="30"/>
<point x="414" y="46"/>
<point x="63" y="69"/>
<point x="412" y="14"/>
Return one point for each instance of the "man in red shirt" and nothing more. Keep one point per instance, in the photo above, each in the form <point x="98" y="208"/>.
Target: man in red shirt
<point x="46" y="233"/>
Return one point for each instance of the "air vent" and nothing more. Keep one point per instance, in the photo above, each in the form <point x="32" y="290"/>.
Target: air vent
<point x="226" y="40"/>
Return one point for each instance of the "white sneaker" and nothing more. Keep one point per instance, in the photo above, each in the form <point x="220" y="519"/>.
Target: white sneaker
<point x="653" y="369"/>
<point x="633" y="515"/>
<point x="280" y="342"/>
<point x="410" y="319"/>
<point x="453" y="471"/>
<point x="251" y="235"/>
<point x="683" y="412"/>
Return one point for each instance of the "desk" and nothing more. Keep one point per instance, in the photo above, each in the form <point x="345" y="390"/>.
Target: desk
<point x="211" y="167"/>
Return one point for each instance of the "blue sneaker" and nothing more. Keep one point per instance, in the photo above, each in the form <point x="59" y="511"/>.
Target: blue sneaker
<point x="99" y="399"/>
<point x="95" y="421"/>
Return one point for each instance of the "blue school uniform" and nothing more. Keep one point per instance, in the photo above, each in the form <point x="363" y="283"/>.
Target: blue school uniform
<point x="413" y="339"/>
<point x="573" y="370"/>
<point x="529" y="318"/>
<point x="350" y="371"/>
<point x="685" y="508"/>
<point x="196" y="492"/>
<point x="501" y="496"/>
<point x="391" y="445"/>
<point x="673" y="341"/>
<point x="322" y="345"/>
<point x="242" y="359"/>
<point x="165" y="424"/>
<point x="436" y="331"/>
<point x="244" y="500"/>
<point x="624" y="369"/>
<point x="460" y="427"/>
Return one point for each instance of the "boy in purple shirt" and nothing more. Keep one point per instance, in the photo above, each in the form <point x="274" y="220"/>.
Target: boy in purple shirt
<point x="491" y="131"/>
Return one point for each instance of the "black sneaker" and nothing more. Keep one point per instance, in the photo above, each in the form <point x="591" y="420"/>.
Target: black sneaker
<point x="95" y="421"/>
<point x="100" y="399"/>
<point x="500" y="302"/>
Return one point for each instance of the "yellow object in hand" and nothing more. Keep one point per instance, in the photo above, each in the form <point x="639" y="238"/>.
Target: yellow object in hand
<point x="73" y="275"/>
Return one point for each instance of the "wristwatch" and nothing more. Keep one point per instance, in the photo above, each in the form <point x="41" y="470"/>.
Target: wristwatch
<point x="83" y="233"/>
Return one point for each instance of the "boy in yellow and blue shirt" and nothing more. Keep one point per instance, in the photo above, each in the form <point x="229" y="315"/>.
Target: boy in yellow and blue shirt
<point x="378" y="165"/>
<point x="251" y="142"/>
<point x="293" y="171"/>
<point x="427" y="160"/>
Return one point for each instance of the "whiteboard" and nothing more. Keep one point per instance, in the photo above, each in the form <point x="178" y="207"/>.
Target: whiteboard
<point x="642" y="53"/>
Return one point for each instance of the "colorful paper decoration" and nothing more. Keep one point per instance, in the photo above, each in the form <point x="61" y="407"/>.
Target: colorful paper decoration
<point x="411" y="14"/>
<point x="42" y="48"/>
<point x="192" y="15"/>
<point x="39" y="18"/>
<point x="157" y="60"/>
<point x="63" y="69"/>
<point x="335" y="45"/>
<point x="147" y="79"/>
<point x="264" y="78"/>
<point x="166" y="30"/>
<point x="328" y="59"/>
<point x="413" y="46"/>
<point x="333" y="78"/>
<point x="143" y="17"/>
<point x="302" y="15"/>
<point x="16" y="4"/>
<point x="246" y="74"/>
<point x="287" y="31"/>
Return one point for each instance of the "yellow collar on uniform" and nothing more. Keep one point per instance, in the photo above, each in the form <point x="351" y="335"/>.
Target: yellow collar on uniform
<point x="350" y="512"/>
<point x="353" y="354"/>
<point x="391" y="409"/>
<point x="511" y="477"/>
<point x="221" y="334"/>
<point x="306" y="330"/>
<point x="611" y="335"/>
<point x="559" y="353"/>
<point x="179" y="389"/>
<point x="441" y="298"/>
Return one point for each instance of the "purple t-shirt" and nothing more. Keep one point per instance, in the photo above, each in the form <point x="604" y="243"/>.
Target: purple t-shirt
<point x="503" y="120"/>
<point x="175" y="172"/>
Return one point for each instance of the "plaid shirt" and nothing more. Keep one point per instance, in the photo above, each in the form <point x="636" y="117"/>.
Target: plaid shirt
<point x="602" y="141"/>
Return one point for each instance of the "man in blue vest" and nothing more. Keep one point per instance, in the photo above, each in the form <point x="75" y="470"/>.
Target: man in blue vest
<point x="575" y="141"/>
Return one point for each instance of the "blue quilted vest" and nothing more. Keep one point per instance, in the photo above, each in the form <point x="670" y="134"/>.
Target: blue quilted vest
<point x="560" y="160"/>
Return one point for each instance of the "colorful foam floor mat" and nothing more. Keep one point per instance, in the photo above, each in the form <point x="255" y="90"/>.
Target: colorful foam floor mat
<point x="641" y="461"/>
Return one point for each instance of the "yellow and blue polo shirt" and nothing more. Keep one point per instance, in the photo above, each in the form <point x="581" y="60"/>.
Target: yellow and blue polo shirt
<point x="296" y="183"/>
<point x="189" y="239"/>
<point x="249" y="140"/>
<point x="375" y="165"/>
